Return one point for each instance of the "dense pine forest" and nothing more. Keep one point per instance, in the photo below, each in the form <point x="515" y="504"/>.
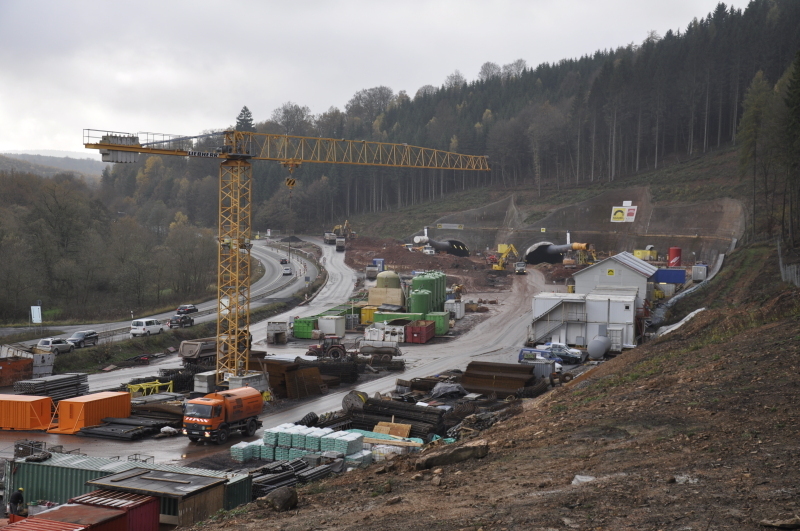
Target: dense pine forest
<point x="730" y="78"/>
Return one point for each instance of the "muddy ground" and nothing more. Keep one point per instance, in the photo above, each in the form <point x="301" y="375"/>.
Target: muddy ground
<point x="697" y="430"/>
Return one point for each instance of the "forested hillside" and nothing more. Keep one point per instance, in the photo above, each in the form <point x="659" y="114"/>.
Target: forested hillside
<point x="598" y="117"/>
<point x="725" y="80"/>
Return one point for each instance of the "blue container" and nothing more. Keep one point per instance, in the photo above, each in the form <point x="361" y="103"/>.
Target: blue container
<point x="669" y="276"/>
<point x="380" y="262"/>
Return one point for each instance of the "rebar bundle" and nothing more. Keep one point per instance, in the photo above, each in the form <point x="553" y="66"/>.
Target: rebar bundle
<point x="58" y="387"/>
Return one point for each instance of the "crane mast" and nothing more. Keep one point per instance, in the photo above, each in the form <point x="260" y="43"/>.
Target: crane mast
<point x="235" y="201"/>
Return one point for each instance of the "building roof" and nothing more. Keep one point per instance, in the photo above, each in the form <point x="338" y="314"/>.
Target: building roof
<point x="85" y="515"/>
<point x="628" y="260"/>
<point x="157" y="483"/>
<point x="559" y="295"/>
<point x="112" y="466"/>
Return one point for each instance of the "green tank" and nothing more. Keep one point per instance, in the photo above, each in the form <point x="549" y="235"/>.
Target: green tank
<point x="420" y="301"/>
<point x="388" y="279"/>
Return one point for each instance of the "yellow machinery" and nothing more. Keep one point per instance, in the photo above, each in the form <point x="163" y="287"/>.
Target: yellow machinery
<point x="505" y="251"/>
<point x="235" y="201"/>
<point x="344" y="231"/>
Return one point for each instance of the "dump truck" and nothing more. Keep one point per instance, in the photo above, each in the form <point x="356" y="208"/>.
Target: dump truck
<point x="340" y="242"/>
<point x="198" y="351"/>
<point x="215" y="416"/>
<point x="519" y="268"/>
<point x="329" y="238"/>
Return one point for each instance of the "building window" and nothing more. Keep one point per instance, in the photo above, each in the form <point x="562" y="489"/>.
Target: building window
<point x="627" y="307"/>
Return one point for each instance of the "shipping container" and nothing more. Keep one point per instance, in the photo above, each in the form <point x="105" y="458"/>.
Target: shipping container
<point x="15" y="369"/>
<point x="39" y="524"/>
<point x="81" y="411"/>
<point x="669" y="276"/>
<point x="699" y="272"/>
<point x="455" y="307"/>
<point x="367" y="314"/>
<point x="94" y="518"/>
<point x="24" y="412"/>
<point x="141" y="511"/>
<point x="332" y="325"/>
<point x="442" y="320"/>
<point x="646" y="254"/>
<point x="420" y="331"/>
<point x="303" y="328"/>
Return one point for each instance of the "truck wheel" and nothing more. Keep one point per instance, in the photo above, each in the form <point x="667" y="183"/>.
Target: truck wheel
<point x="251" y="428"/>
<point x="336" y="353"/>
<point x="311" y="353"/>
<point x="222" y="436"/>
<point x="194" y="439"/>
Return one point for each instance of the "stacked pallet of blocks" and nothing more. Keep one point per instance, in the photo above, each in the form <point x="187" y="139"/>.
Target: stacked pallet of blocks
<point x="289" y="441"/>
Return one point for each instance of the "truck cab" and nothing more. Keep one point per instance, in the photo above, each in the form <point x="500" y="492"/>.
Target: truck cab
<point x="214" y="416"/>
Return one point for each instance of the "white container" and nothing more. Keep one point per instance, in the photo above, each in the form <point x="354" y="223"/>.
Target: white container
<point x="395" y="333"/>
<point x="373" y="334"/>
<point x="332" y="325"/>
<point x="456" y="307"/>
<point x="277" y="326"/>
<point x="205" y="382"/>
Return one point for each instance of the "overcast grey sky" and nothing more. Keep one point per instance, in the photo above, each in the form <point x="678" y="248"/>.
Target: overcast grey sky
<point x="181" y="67"/>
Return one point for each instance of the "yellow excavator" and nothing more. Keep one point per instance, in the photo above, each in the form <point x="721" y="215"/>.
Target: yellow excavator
<point x="504" y="251"/>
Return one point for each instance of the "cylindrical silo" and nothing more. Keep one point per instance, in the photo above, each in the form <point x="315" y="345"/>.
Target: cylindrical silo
<point x="420" y="301"/>
<point x="388" y="279"/>
<point x="674" y="257"/>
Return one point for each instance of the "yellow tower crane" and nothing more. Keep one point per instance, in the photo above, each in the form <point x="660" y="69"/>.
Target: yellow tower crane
<point x="235" y="201"/>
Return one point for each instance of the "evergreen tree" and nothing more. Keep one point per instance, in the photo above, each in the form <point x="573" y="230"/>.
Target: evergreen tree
<point x="792" y="133"/>
<point x="244" y="122"/>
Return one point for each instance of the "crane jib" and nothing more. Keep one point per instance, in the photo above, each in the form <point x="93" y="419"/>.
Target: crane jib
<point x="209" y="154"/>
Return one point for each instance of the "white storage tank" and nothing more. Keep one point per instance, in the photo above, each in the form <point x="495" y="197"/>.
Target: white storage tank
<point x="332" y="325"/>
<point x="373" y="334"/>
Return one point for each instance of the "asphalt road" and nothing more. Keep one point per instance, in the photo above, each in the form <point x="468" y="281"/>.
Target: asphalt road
<point x="496" y="336"/>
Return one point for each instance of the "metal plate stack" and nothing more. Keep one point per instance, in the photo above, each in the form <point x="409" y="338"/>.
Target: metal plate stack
<point x="57" y="387"/>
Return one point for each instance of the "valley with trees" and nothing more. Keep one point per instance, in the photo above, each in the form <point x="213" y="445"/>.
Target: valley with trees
<point x="144" y="237"/>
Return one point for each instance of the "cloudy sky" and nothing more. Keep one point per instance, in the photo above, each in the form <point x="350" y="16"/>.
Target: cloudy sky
<point x="180" y="67"/>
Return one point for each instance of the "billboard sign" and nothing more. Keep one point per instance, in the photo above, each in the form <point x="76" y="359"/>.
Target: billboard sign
<point x="623" y="214"/>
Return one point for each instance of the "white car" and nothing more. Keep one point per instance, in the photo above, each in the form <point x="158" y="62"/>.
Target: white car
<point x="287" y="271"/>
<point x="559" y="347"/>
<point x="145" y="327"/>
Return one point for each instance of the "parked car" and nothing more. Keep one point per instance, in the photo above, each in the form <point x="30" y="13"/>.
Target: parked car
<point x="284" y="260"/>
<point x="145" y="327"/>
<point x="540" y="354"/>
<point x="55" y="345"/>
<point x="571" y="356"/>
<point x="287" y="270"/>
<point x="186" y="308"/>
<point x="81" y="339"/>
<point x="180" y="321"/>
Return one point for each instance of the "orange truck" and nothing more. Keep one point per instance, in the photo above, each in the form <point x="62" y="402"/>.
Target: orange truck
<point x="215" y="416"/>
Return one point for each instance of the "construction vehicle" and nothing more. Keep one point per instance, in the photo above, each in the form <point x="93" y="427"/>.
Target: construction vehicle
<point x="329" y="238"/>
<point x="344" y="231"/>
<point x="505" y="251"/>
<point x="340" y="243"/>
<point x="331" y="347"/>
<point x="519" y="268"/>
<point x="237" y="151"/>
<point x="215" y="416"/>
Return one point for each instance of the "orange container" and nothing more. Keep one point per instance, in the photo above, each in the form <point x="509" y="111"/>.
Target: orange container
<point x="79" y="412"/>
<point x="23" y="412"/>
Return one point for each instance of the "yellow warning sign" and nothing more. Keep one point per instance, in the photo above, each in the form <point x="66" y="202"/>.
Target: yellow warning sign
<point x="290" y="182"/>
<point x="610" y="272"/>
<point x="623" y="214"/>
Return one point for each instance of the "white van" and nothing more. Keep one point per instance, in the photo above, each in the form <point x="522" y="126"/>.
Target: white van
<point x="145" y="327"/>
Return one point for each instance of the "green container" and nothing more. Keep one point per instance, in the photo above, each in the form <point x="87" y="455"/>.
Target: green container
<point x="388" y="316"/>
<point x="442" y="320"/>
<point x="304" y="327"/>
<point x="420" y="301"/>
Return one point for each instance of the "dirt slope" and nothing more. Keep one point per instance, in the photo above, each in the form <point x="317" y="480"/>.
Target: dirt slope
<point x="697" y="430"/>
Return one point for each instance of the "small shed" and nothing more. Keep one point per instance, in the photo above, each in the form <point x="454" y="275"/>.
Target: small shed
<point x="142" y="512"/>
<point x="185" y="498"/>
